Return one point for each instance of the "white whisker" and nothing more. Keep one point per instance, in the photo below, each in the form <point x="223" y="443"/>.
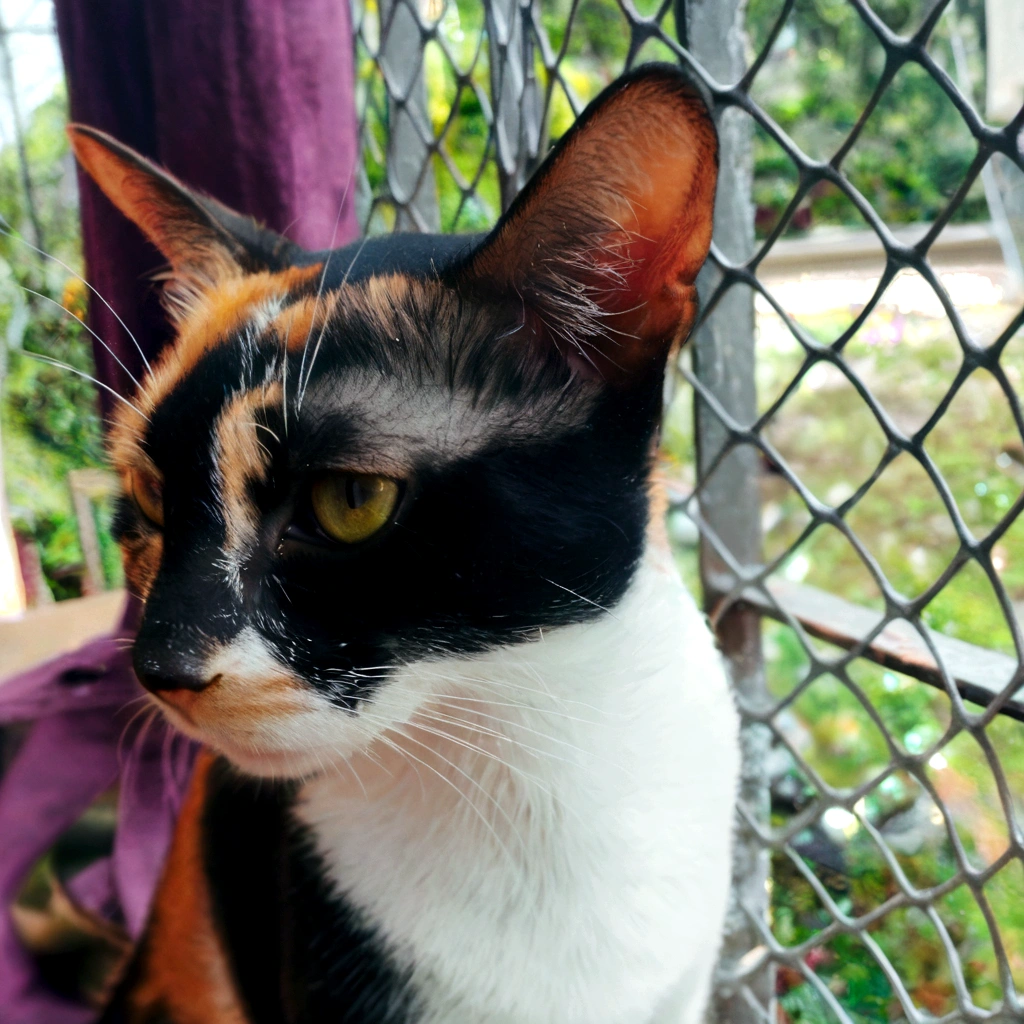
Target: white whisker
<point x="68" y="312"/>
<point x="524" y="707"/>
<point x="8" y="230"/>
<point x="465" y="796"/>
<point x="316" y="350"/>
<point x="514" y="741"/>
<point x="300" y="391"/>
<point x="569" y="590"/>
<point x="88" y="377"/>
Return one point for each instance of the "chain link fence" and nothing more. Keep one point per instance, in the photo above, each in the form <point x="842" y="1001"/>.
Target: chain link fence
<point x="852" y="411"/>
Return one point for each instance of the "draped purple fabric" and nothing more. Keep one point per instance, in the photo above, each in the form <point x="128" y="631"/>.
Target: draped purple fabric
<point x="249" y="100"/>
<point x="252" y="102"/>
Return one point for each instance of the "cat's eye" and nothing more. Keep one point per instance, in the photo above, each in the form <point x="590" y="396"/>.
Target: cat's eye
<point x="147" y="494"/>
<point x="350" y="507"/>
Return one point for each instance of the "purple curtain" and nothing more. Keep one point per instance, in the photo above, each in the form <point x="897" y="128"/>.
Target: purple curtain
<point x="250" y="101"/>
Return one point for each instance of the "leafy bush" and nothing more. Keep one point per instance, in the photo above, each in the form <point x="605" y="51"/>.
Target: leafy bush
<point x="49" y="420"/>
<point x="914" y="151"/>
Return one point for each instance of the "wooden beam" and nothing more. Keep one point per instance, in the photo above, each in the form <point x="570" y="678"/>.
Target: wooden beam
<point x="44" y="633"/>
<point x="980" y="674"/>
<point x="841" y="250"/>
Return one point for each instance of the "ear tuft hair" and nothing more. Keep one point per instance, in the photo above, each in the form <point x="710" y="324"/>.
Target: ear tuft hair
<point x="605" y="242"/>
<point x="204" y="241"/>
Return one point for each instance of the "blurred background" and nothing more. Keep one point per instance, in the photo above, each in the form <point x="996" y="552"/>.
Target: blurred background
<point x="887" y="842"/>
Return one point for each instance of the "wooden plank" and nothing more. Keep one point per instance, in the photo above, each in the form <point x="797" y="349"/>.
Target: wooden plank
<point x="980" y="674"/>
<point x="87" y="486"/>
<point x="840" y="250"/>
<point x="43" y="633"/>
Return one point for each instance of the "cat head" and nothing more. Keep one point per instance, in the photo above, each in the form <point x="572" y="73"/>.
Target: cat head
<point x="409" y="450"/>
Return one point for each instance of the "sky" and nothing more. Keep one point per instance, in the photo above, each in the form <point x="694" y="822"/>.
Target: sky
<point x="37" y="66"/>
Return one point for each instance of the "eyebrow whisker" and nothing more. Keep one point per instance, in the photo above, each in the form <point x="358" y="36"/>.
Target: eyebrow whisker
<point x="7" y="229"/>
<point x="68" y="312"/>
<point x="320" y="289"/>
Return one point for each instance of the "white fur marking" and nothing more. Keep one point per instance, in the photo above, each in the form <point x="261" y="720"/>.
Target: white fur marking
<point x="401" y="424"/>
<point x="574" y="868"/>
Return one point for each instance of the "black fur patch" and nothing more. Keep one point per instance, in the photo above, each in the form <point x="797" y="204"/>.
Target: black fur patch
<point x="524" y="534"/>
<point x="298" y="951"/>
<point x="243" y="829"/>
<point x="417" y="255"/>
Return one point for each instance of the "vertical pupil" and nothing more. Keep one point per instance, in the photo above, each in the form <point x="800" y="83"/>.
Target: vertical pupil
<point x="355" y="492"/>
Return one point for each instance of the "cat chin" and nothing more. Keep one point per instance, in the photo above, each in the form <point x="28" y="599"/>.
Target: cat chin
<point x="262" y="761"/>
<point x="269" y="763"/>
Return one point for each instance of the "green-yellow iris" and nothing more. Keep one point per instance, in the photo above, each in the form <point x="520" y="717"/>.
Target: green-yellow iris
<point x="353" y="506"/>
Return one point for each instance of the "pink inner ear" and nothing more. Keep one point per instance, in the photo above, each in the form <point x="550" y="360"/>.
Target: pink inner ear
<point x="604" y="245"/>
<point x="671" y="232"/>
<point x="642" y="278"/>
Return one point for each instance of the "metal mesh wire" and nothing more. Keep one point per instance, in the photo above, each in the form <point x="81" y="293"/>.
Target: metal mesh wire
<point x="880" y="858"/>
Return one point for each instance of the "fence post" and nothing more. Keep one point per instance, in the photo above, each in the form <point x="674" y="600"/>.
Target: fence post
<point x="514" y="94"/>
<point x="723" y="357"/>
<point x="409" y="168"/>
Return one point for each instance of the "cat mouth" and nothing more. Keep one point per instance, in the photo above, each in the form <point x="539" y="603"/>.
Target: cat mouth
<point x="260" y="737"/>
<point x="179" y="703"/>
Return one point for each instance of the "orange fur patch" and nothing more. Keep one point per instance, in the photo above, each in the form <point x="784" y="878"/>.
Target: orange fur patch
<point x="297" y="323"/>
<point x="657" y="526"/>
<point x="222" y="311"/>
<point x="242" y="459"/>
<point x="141" y="559"/>
<point x="185" y="972"/>
<point x="243" y="698"/>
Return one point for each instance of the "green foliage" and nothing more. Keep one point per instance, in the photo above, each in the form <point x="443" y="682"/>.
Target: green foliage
<point x="912" y="155"/>
<point x="914" y="151"/>
<point x="831" y="439"/>
<point x="52" y="174"/>
<point x="918" y="719"/>
<point x="49" y="421"/>
<point x="902" y="521"/>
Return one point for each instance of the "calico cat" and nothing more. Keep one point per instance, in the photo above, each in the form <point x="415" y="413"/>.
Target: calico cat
<point x="472" y="754"/>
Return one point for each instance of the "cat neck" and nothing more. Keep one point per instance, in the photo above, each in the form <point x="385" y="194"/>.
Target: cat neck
<point x="522" y="717"/>
<point x="539" y="815"/>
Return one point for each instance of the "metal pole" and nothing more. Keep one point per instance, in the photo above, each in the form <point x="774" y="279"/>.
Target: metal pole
<point x="723" y="357"/>
<point x="514" y="92"/>
<point x="409" y="169"/>
<point x="993" y="195"/>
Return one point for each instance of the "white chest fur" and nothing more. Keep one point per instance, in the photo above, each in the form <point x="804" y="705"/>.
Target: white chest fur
<point x="549" y="842"/>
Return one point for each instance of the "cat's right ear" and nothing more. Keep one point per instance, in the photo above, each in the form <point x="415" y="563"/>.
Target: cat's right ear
<point x="204" y="242"/>
<point x="602" y="248"/>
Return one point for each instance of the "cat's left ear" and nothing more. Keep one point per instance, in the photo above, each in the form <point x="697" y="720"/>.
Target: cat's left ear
<point x="204" y="241"/>
<point x="603" y="246"/>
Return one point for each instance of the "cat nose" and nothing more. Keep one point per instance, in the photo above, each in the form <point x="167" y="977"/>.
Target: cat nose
<point x="167" y="672"/>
